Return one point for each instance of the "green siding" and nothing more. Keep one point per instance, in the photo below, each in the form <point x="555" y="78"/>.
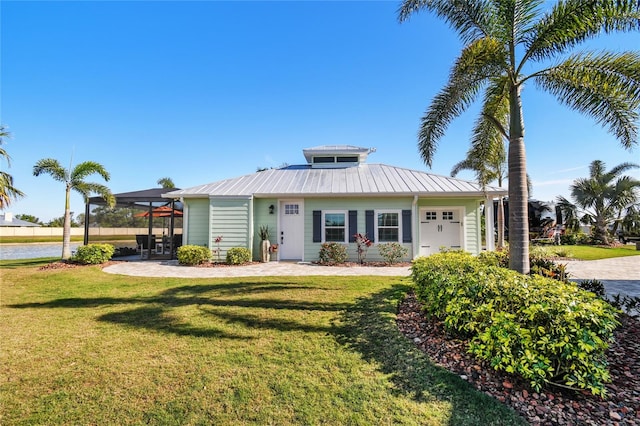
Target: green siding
<point x="230" y="219"/>
<point x="472" y="228"/>
<point x="261" y="217"/>
<point x="311" y="249"/>
<point x="197" y="222"/>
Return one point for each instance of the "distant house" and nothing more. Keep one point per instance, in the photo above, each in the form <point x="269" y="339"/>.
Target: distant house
<point x="7" y="219"/>
<point x="335" y="195"/>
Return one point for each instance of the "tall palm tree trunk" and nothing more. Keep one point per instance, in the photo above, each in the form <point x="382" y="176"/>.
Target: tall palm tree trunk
<point x="518" y="191"/>
<point x="66" y="230"/>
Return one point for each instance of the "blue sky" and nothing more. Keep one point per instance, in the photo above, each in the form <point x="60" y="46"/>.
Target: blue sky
<point x="207" y="90"/>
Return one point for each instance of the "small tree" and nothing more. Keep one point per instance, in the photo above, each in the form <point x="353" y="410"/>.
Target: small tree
<point x="600" y="199"/>
<point x="74" y="179"/>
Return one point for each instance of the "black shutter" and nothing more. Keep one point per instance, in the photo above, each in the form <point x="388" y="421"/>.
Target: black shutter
<point x="353" y="225"/>
<point x="406" y="226"/>
<point x="317" y="226"/>
<point x="369" y="225"/>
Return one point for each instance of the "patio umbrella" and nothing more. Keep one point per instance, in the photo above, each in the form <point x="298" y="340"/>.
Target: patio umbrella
<point x="162" y="211"/>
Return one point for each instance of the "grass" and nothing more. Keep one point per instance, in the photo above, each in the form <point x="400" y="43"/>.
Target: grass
<point x="83" y="347"/>
<point x="596" y="252"/>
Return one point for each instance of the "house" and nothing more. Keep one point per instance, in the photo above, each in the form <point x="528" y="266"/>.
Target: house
<point x="335" y="195"/>
<point x="9" y="220"/>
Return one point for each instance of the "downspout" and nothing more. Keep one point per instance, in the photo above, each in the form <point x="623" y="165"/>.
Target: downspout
<point x="414" y="229"/>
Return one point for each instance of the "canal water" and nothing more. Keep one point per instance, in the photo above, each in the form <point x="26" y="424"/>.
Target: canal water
<point x="32" y="250"/>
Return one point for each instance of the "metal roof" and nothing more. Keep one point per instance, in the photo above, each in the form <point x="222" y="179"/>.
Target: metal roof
<point x="133" y="198"/>
<point x="8" y="219"/>
<point x="361" y="180"/>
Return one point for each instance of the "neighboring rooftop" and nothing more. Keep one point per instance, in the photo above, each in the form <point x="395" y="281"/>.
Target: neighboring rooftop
<point x="7" y="219"/>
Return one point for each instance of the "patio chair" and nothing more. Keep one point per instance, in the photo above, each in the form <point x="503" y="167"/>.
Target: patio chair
<point x="143" y="245"/>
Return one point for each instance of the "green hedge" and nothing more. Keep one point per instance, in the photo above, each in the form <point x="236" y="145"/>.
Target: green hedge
<point x="93" y="254"/>
<point x="238" y="255"/>
<point x="332" y="253"/>
<point x="193" y="255"/>
<point x="541" y="329"/>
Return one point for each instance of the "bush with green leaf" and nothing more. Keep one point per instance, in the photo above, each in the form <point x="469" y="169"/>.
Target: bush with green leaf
<point x="238" y="255"/>
<point x="93" y="254"/>
<point x="392" y="252"/>
<point x="193" y="255"/>
<point x="540" y="329"/>
<point x="332" y="253"/>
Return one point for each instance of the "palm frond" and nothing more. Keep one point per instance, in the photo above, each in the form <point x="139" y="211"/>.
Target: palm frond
<point x="571" y="22"/>
<point x="8" y="192"/>
<point x="88" y="168"/>
<point x="51" y="167"/>
<point x="88" y="188"/>
<point x="478" y="62"/>
<point x="472" y="20"/>
<point x="605" y="86"/>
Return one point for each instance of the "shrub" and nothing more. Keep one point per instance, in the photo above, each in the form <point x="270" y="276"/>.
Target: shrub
<point x="392" y="252"/>
<point x="495" y="258"/>
<point x="332" y="253"/>
<point x="93" y="254"/>
<point x="238" y="255"/>
<point x="541" y="260"/>
<point x="193" y="255"/>
<point x="543" y="330"/>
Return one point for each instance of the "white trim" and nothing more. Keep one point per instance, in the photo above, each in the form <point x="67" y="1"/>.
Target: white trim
<point x="488" y="225"/>
<point x="346" y="225"/>
<point x="375" y="224"/>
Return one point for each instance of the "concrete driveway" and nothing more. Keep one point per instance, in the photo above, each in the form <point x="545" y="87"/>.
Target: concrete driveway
<point x="620" y="275"/>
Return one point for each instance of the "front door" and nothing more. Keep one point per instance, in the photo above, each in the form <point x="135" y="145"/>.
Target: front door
<point x="291" y="238"/>
<point x="440" y="228"/>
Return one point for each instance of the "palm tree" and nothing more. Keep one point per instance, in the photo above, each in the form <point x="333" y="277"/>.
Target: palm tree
<point x="502" y="39"/>
<point x="166" y="183"/>
<point x="602" y="197"/>
<point x="75" y="179"/>
<point x="487" y="156"/>
<point x="8" y="192"/>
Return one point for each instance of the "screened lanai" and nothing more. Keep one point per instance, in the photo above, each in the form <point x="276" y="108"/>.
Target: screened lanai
<point x="151" y="205"/>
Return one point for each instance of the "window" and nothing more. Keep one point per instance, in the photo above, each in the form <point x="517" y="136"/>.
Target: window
<point x="291" y="209"/>
<point x="350" y="159"/>
<point x="335" y="226"/>
<point x="431" y="216"/>
<point x="323" y="159"/>
<point x="388" y="226"/>
<point x="447" y="215"/>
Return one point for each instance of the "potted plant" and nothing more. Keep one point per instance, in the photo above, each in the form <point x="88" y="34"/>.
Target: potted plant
<point x="264" y="233"/>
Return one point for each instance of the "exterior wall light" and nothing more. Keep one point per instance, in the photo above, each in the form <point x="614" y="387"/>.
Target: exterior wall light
<point x="272" y="209"/>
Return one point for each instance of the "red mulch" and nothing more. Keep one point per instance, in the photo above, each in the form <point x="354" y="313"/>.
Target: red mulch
<point x="552" y="405"/>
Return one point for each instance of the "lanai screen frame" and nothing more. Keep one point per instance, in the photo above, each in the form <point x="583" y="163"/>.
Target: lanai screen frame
<point x="145" y="198"/>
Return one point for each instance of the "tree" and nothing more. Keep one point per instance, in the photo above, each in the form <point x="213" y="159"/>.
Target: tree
<point x="74" y="179"/>
<point x="29" y="218"/>
<point x="601" y="199"/>
<point x="502" y="39"/>
<point x="166" y="183"/>
<point x="487" y="157"/>
<point x="8" y="192"/>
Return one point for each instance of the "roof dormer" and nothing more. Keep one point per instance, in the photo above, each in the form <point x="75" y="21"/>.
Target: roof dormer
<point x="336" y="156"/>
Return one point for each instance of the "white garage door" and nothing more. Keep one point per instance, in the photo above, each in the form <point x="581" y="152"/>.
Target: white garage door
<point x="440" y="228"/>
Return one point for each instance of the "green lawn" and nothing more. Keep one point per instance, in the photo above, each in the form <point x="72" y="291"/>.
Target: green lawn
<point x="83" y="347"/>
<point x="595" y="252"/>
